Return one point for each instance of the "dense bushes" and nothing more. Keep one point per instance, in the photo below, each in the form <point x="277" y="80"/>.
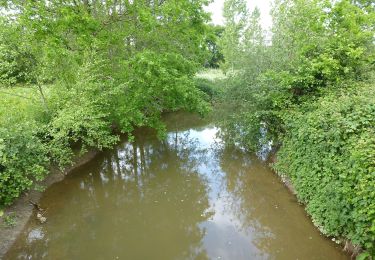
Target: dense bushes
<point x="310" y="93"/>
<point x="23" y="160"/>
<point x="23" y="156"/>
<point x="329" y="154"/>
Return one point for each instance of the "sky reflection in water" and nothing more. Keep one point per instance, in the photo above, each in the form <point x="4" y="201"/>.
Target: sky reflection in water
<point x="186" y="197"/>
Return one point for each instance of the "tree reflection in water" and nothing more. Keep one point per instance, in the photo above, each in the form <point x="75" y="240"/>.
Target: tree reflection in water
<point x="186" y="197"/>
<point x="143" y="200"/>
<point x="267" y="215"/>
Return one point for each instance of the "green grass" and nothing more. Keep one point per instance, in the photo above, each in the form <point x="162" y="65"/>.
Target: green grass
<point x="211" y="74"/>
<point x="19" y="104"/>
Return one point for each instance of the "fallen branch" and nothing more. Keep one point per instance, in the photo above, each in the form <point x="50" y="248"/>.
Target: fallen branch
<point x="36" y="205"/>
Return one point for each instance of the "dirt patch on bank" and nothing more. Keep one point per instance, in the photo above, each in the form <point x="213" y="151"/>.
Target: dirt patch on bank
<point x="22" y="208"/>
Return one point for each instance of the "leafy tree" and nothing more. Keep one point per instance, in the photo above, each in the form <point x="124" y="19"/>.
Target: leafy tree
<point x="310" y="92"/>
<point x="216" y="56"/>
<point x="235" y="13"/>
<point x="97" y="66"/>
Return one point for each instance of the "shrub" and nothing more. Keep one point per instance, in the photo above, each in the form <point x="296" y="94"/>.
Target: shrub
<point x="23" y="160"/>
<point x="329" y="154"/>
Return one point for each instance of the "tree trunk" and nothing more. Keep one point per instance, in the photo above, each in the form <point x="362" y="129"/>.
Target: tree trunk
<point x="43" y="97"/>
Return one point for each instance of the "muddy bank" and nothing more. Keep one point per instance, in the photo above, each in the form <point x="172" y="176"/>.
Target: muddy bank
<point x="22" y="207"/>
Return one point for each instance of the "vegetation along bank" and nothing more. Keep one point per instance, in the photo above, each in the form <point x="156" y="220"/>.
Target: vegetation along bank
<point x="75" y="74"/>
<point x="309" y="90"/>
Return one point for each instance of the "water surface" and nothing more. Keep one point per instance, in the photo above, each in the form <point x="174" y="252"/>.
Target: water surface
<point x="185" y="197"/>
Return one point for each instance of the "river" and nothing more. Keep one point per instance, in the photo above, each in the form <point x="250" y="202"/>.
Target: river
<point x="185" y="197"/>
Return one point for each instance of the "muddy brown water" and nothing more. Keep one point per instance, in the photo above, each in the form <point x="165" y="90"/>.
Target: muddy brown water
<point x="185" y="197"/>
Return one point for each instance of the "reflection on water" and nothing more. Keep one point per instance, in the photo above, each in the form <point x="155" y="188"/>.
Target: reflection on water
<point x="185" y="197"/>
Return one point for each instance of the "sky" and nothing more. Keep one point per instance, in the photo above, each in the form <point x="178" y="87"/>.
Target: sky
<point x="216" y="9"/>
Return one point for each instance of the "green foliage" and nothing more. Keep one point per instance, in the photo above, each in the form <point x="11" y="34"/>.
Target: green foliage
<point x="88" y="68"/>
<point x="207" y="87"/>
<point x="81" y="115"/>
<point x="364" y="256"/>
<point x="22" y="155"/>
<point x="332" y="45"/>
<point x="38" y="187"/>
<point x="311" y="93"/>
<point x="23" y="160"/>
<point x="157" y="83"/>
<point x="16" y="62"/>
<point x="210" y="82"/>
<point x="235" y="14"/>
<point x="10" y="220"/>
<point x="329" y="154"/>
<point x="216" y="57"/>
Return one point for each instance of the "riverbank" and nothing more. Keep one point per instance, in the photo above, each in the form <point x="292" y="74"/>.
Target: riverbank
<point x="22" y="209"/>
<point x="347" y="246"/>
<point x="184" y="191"/>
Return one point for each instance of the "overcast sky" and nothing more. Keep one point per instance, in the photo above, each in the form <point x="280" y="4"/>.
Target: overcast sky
<point x="216" y="8"/>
